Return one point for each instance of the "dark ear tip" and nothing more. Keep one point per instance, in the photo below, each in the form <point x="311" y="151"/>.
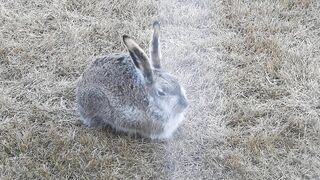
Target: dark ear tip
<point x="124" y="37"/>
<point x="156" y="23"/>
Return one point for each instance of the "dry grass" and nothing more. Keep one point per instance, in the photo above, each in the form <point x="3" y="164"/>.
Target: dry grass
<point x="251" y="70"/>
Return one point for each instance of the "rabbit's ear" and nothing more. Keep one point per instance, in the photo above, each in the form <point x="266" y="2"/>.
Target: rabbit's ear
<point x="155" y="46"/>
<point x="139" y="58"/>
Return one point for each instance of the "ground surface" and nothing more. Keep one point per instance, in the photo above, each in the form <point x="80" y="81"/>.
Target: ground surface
<point x="251" y="71"/>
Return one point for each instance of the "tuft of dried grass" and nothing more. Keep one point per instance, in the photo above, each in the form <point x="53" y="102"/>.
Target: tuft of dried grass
<point x="251" y="70"/>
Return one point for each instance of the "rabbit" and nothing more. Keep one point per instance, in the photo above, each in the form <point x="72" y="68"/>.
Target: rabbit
<point x="131" y="93"/>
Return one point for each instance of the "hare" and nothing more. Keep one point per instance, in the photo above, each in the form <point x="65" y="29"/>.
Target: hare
<point x="131" y="93"/>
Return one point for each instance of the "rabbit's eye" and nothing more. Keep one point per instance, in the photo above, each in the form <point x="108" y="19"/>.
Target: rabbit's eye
<point x="160" y="93"/>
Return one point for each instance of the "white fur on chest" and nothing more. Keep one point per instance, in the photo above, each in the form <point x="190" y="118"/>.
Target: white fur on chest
<point x="133" y="114"/>
<point x="169" y="127"/>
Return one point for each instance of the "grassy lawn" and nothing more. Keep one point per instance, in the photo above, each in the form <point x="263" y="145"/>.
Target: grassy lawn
<point x="251" y="70"/>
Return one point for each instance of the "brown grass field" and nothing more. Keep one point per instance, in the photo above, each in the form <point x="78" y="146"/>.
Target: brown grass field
<point x="251" y="70"/>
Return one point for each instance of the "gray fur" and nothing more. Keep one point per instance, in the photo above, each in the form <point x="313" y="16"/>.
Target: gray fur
<point x="114" y="91"/>
<point x="155" y="45"/>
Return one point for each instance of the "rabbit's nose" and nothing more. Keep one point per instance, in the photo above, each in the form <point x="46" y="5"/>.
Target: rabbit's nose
<point x="183" y="102"/>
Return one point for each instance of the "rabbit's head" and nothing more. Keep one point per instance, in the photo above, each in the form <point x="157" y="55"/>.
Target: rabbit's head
<point x="166" y="95"/>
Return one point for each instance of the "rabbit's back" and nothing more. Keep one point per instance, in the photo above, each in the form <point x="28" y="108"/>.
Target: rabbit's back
<point x="109" y="86"/>
<point x="117" y="75"/>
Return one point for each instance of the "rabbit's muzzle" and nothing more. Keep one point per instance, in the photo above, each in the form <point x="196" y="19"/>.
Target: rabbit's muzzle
<point x="183" y="103"/>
